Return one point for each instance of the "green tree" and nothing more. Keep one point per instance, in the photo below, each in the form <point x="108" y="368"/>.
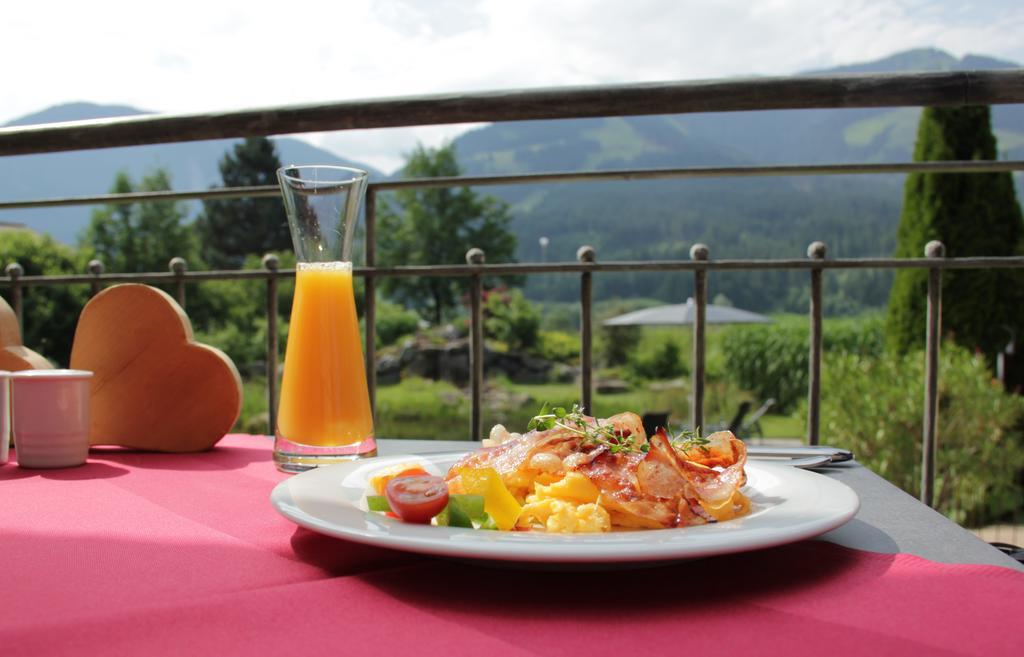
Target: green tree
<point x="141" y="237"/>
<point x="50" y="312"/>
<point x="231" y="229"/>
<point x="437" y="227"/>
<point x="973" y="215"/>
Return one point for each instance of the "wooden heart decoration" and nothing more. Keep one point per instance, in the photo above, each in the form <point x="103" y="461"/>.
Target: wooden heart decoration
<point x="154" y="386"/>
<point x="14" y="355"/>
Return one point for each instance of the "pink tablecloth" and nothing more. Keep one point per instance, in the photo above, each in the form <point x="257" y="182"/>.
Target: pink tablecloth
<point x="146" y="554"/>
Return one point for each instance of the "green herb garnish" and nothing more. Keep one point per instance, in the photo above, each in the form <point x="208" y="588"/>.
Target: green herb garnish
<point x="595" y="434"/>
<point x="688" y="439"/>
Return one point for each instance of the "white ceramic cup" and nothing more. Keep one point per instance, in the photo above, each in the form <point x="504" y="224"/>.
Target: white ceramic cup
<point x="50" y="410"/>
<point x="5" y="414"/>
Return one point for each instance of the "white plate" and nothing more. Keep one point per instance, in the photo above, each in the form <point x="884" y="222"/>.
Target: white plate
<point x="788" y="505"/>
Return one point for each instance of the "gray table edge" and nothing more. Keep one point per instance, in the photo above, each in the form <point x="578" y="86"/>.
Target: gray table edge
<point x="889" y="520"/>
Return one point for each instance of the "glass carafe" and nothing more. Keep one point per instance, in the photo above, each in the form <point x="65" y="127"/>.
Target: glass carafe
<point x="324" y="412"/>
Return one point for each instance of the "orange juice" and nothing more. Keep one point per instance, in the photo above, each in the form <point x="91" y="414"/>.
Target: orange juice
<point x="324" y="400"/>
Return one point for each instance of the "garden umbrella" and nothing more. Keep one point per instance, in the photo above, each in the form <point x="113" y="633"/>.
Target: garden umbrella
<point x="683" y="313"/>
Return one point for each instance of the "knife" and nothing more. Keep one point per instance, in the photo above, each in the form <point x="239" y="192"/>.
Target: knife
<point x="804" y="462"/>
<point x="834" y="454"/>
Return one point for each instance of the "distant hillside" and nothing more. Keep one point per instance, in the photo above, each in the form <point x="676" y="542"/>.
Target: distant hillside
<point x="922" y="59"/>
<point x="776" y="137"/>
<point x="75" y="112"/>
<point x="770" y="217"/>
<point x="767" y="217"/>
<point x="192" y="165"/>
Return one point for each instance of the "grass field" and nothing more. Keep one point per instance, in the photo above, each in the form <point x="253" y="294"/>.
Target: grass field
<point x="783" y="426"/>
<point x="418" y="408"/>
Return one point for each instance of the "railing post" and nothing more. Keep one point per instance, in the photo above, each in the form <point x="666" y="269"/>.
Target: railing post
<point x="586" y="254"/>
<point x="933" y="335"/>
<point x="475" y="256"/>
<point x="270" y="263"/>
<point x="178" y="267"/>
<point x="699" y="253"/>
<point x="14" y="272"/>
<point x="816" y="251"/>
<point x="370" y="300"/>
<point x="95" y="268"/>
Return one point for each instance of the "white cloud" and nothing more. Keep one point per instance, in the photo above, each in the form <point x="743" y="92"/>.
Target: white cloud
<point x="385" y="148"/>
<point x="194" y="56"/>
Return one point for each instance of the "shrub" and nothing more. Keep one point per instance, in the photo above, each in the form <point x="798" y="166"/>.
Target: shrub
<point x="659" y="357"/>
<point x="51" y="312"/>
<point x="232" y="314"/>
<point x="245" y="345"/>
<point x="558" y="346"/>
<point x="559" y="316"/>
<point x="615" y="344"/>
<point x="394" y="322"/>
<point x="771" y="360"/>
<point x="873" y="406"/>
<point x="253" y="417"/>
<point x="510" y="318"/>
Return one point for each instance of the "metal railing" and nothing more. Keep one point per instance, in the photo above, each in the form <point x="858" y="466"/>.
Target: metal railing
<point x="586" y="266"/>
<point x="961" y="88"/>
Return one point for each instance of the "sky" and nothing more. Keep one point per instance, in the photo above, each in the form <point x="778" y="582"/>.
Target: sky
<point x="210" y="55"/>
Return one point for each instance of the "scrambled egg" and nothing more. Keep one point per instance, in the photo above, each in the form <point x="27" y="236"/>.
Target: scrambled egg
<point x="379" y="481"/>
<point x="573" y="505"/>
<point x="568" y="505"/>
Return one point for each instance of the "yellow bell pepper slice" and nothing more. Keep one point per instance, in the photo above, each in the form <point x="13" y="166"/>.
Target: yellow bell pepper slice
<point x="498" y="501"/>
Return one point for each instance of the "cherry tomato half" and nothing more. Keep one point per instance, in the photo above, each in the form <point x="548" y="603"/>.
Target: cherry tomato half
<point x="417" y="498"/>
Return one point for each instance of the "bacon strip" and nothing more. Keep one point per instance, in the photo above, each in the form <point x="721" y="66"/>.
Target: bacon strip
<point x="711" y="485"/>
<point x="511" y="456"/>
<point x="662" y="487"/>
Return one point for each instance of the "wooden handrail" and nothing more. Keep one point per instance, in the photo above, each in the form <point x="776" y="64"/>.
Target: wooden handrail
<point x="772" y="93"/>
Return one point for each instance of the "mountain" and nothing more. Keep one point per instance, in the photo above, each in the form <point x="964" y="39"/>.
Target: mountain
<point x="75" y="112"/>
<point x="192" y="165"/>
<point x="736" y="217"/>
<point x="767" y="137"/>
<point x="921" y="59"/>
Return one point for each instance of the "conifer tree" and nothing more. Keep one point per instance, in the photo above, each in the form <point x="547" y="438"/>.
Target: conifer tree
<point x="972" y="215"/>
<point x="231" y="229"/>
